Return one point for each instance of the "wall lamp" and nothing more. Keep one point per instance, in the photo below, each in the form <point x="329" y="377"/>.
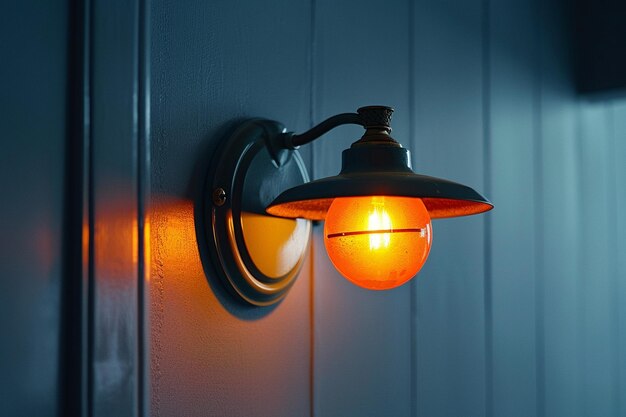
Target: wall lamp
<point x="377" y="211"/>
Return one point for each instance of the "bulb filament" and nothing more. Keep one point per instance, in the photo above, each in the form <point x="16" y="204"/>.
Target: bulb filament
<point x="379" y="220"/>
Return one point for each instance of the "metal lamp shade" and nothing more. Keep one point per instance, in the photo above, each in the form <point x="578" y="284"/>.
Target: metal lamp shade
<point x="378" y="170"/>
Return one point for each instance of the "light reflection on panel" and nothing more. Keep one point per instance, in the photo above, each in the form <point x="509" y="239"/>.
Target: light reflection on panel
<point x="115" y="245"/>
<point x="275" y="244"/>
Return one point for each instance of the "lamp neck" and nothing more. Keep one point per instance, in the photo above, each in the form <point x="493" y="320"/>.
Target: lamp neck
<point x="377" y="123"/>
<point x="367" y="159"/>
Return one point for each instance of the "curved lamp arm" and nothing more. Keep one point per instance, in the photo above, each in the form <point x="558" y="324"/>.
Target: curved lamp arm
<point x="293" y="141"/>
<point x="375" y="119"/>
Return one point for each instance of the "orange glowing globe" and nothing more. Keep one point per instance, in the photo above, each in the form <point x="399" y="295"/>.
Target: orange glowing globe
<point x="378" y="242"/>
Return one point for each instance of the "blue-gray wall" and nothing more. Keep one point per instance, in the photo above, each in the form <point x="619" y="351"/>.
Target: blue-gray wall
<point x="519" y="312"/>
<point x="33" y="99"/>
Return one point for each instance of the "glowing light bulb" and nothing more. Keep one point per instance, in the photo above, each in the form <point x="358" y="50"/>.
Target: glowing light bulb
<point x="378" y="242"/>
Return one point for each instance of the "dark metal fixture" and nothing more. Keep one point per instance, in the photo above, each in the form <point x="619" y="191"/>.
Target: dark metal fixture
<point x="259" y="170"/>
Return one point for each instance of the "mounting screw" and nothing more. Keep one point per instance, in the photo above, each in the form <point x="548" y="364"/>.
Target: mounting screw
<point x="219" y="197"/>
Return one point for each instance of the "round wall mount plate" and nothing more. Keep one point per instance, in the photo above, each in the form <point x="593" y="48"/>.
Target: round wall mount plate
<point x="258" y="256"/>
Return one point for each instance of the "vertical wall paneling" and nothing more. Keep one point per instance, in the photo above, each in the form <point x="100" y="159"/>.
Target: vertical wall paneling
<point x="618" y="132"/>
<point x="513" y="87"/>
<point x="215" y="63"/>
<point x="144" y="79"/>
<point x="76" y="227"/>
<point x="362" y="338"/>
<point x="560" y="198"/>
<point x="33" y="115"/>
<point x="448" y="142"/>
<point x="520" y="316"/>
<point x="115" y="358"/>
<point x="413" y="296"/>
<point x="614" y="261"/>
<point x="486" y="103"/>
<point x="105" y="143"/>
<point x="558" y="278"/>
<point x="596" y="225"/>
<point x="538" y="171"/>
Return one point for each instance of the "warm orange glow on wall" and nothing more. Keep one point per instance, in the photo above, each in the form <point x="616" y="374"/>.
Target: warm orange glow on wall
<point x="378" y="242"/>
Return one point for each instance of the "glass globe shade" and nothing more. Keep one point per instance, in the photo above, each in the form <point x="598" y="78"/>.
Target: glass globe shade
<point x="378" y="242"/>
